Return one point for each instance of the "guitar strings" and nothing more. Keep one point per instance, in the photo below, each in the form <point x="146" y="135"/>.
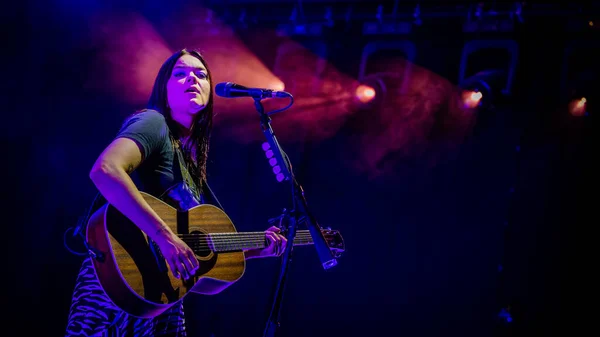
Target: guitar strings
<point x="229" y="246"/>
<point x="217" y="239"/>
<point x="233" y="241"/>
<point x="238" y="234"/>
<point x="226" y="238"/>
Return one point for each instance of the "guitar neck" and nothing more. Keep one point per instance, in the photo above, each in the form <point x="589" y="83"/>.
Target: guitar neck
<point x="226" y="242"/>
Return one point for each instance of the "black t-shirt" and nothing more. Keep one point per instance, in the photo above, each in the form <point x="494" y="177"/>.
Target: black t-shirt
<point x="150" y="131"/>
<point x="159" y="173"/>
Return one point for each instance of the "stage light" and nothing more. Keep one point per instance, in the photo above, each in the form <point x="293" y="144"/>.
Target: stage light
<point x="383" y="64"/>
<point x="483" y="89"/>
<point x="278" y="86"/>
<point x="578" y="107"/>
<point x="365" y="93"/>
<point x="371" y="91"/>
<point x="471" y="99"/>
<point x="392" y="59"/>
<point x="579" y="78"/>
<point x="488" y="67"/>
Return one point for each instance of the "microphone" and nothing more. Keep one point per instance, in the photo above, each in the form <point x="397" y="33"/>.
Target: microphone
<point x="233" y="90"/>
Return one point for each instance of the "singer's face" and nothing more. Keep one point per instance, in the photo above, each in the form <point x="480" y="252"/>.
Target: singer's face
<point x="188" y="88"/>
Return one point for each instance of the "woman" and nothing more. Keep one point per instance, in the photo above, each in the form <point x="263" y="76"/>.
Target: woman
<point x="161" y="150"/>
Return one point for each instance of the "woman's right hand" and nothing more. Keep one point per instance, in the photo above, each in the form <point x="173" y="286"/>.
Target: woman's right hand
<point x="178" y="254"/>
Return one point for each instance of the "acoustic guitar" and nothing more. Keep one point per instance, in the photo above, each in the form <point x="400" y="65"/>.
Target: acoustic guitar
<point x="138" y="280"/>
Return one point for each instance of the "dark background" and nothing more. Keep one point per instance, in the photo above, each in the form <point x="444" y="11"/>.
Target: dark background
<point x="472" y="215"/>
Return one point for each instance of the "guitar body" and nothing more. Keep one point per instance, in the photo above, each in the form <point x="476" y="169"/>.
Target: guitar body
<point x="132" y="271"/>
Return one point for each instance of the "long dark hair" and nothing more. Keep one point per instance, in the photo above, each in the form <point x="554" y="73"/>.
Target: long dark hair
<point x="201" y="125"/>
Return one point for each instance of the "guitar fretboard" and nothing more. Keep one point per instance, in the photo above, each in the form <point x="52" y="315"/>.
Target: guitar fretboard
<point x="226" y="242"/>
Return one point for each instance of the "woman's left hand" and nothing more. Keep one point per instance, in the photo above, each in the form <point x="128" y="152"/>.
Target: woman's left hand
<point x="275" y="247"/>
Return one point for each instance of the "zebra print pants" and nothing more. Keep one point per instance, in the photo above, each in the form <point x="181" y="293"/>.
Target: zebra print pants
<point x="93" y="314"/>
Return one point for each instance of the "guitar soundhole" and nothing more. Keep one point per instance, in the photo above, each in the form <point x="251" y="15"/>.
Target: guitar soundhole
<point x="200" y="244"/>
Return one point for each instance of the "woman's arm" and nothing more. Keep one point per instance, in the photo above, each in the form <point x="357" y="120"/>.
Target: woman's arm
<point x="110" y="174"/>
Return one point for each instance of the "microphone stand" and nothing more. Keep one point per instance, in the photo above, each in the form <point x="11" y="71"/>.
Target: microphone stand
<point x="299" y="206"/>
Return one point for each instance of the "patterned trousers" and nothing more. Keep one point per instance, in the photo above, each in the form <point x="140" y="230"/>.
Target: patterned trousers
<point x="93" y="314"/>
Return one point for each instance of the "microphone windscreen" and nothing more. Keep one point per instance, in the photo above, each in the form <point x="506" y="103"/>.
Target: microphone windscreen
<point x="222" y="89"/>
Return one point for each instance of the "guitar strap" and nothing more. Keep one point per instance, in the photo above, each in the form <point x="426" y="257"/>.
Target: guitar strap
<point x="202" y="195"/>
<point x="183" y="175"/>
